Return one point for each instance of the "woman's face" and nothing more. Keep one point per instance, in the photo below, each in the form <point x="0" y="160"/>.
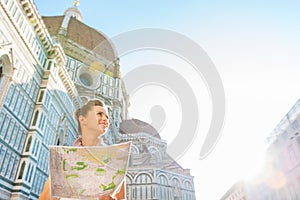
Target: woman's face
<point x="95" y="121"/>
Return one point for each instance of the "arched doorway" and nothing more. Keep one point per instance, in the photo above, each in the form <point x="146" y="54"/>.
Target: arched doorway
<point x="6" y="71"/>
<point x="1" y="69"/>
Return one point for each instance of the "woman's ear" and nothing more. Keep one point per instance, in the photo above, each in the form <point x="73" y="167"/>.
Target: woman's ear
<point x="82" y="120"/>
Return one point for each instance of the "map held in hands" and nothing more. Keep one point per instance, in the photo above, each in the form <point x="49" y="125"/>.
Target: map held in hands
<point x="87" y="172"/>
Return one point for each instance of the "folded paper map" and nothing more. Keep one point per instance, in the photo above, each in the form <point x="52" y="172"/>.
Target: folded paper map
<point x="87" y="172"/>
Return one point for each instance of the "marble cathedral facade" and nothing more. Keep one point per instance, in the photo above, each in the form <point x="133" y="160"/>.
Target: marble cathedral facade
<point x="49" y="66"/>
<point x="152" y="173"/>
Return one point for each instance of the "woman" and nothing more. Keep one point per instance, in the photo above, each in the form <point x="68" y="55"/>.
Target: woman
<point x="92" y="119"/>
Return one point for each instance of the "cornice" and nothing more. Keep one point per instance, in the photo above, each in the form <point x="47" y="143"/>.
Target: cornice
<point x="54" y="51"/>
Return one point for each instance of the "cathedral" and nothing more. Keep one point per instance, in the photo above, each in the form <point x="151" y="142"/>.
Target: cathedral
<point x="50" y="66"/>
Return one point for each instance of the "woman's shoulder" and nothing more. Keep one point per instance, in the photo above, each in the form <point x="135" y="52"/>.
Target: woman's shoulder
<point x="78" y="142"/>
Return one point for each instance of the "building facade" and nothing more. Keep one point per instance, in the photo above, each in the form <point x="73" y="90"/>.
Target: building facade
<point x="237" y="192"/>
<point x="152" y="173"/>
<point x="37" y="100"/>
<point x="49" y="66"/>
<point x="280" y="177"/>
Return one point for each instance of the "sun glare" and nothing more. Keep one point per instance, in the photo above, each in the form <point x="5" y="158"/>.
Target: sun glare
<point x="254" y="168"/>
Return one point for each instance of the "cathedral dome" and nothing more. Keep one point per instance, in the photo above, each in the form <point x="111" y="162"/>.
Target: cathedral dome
<point x="133" y="126"/>
<point x="72" y="28"/>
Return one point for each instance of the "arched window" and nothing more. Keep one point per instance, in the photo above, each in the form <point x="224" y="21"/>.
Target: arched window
<point x="155" y="154"/>
<point x="1" y="68"/>
<point x="143" y="188"/>
<point x="41" y="96"/>
<point x="86" y="79"/>
<point x="22" y="170"/>
<point x="134" y="149"/>
<point x="28" y="144"/>
<point x="163" y="187"/>
<point x="5" y="68"/>
<point x="176" y="189"/>
<point x="129" y="187"/>
<point x="188" y="190"/>
<point x="36" y="114"/>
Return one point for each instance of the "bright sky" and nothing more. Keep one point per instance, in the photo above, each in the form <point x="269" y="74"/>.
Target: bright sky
<point x="255" y="46"/>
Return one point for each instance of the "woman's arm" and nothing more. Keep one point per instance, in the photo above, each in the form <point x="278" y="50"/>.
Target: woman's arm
<point x="45" y="195"/>
<point x="120" y="195"/>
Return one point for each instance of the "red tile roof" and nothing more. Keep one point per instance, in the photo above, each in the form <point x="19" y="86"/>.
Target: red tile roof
<point x="83" y="35"/>
<point x="137" y="126"/>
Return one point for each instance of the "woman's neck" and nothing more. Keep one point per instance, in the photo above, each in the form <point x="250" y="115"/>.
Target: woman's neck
<point x="87" y="140"/>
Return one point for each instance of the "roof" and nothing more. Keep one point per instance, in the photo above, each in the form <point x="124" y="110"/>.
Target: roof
<point x="82" y="34"/>
<point x="133" y="126"/>
<point x="53" y="23"/>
